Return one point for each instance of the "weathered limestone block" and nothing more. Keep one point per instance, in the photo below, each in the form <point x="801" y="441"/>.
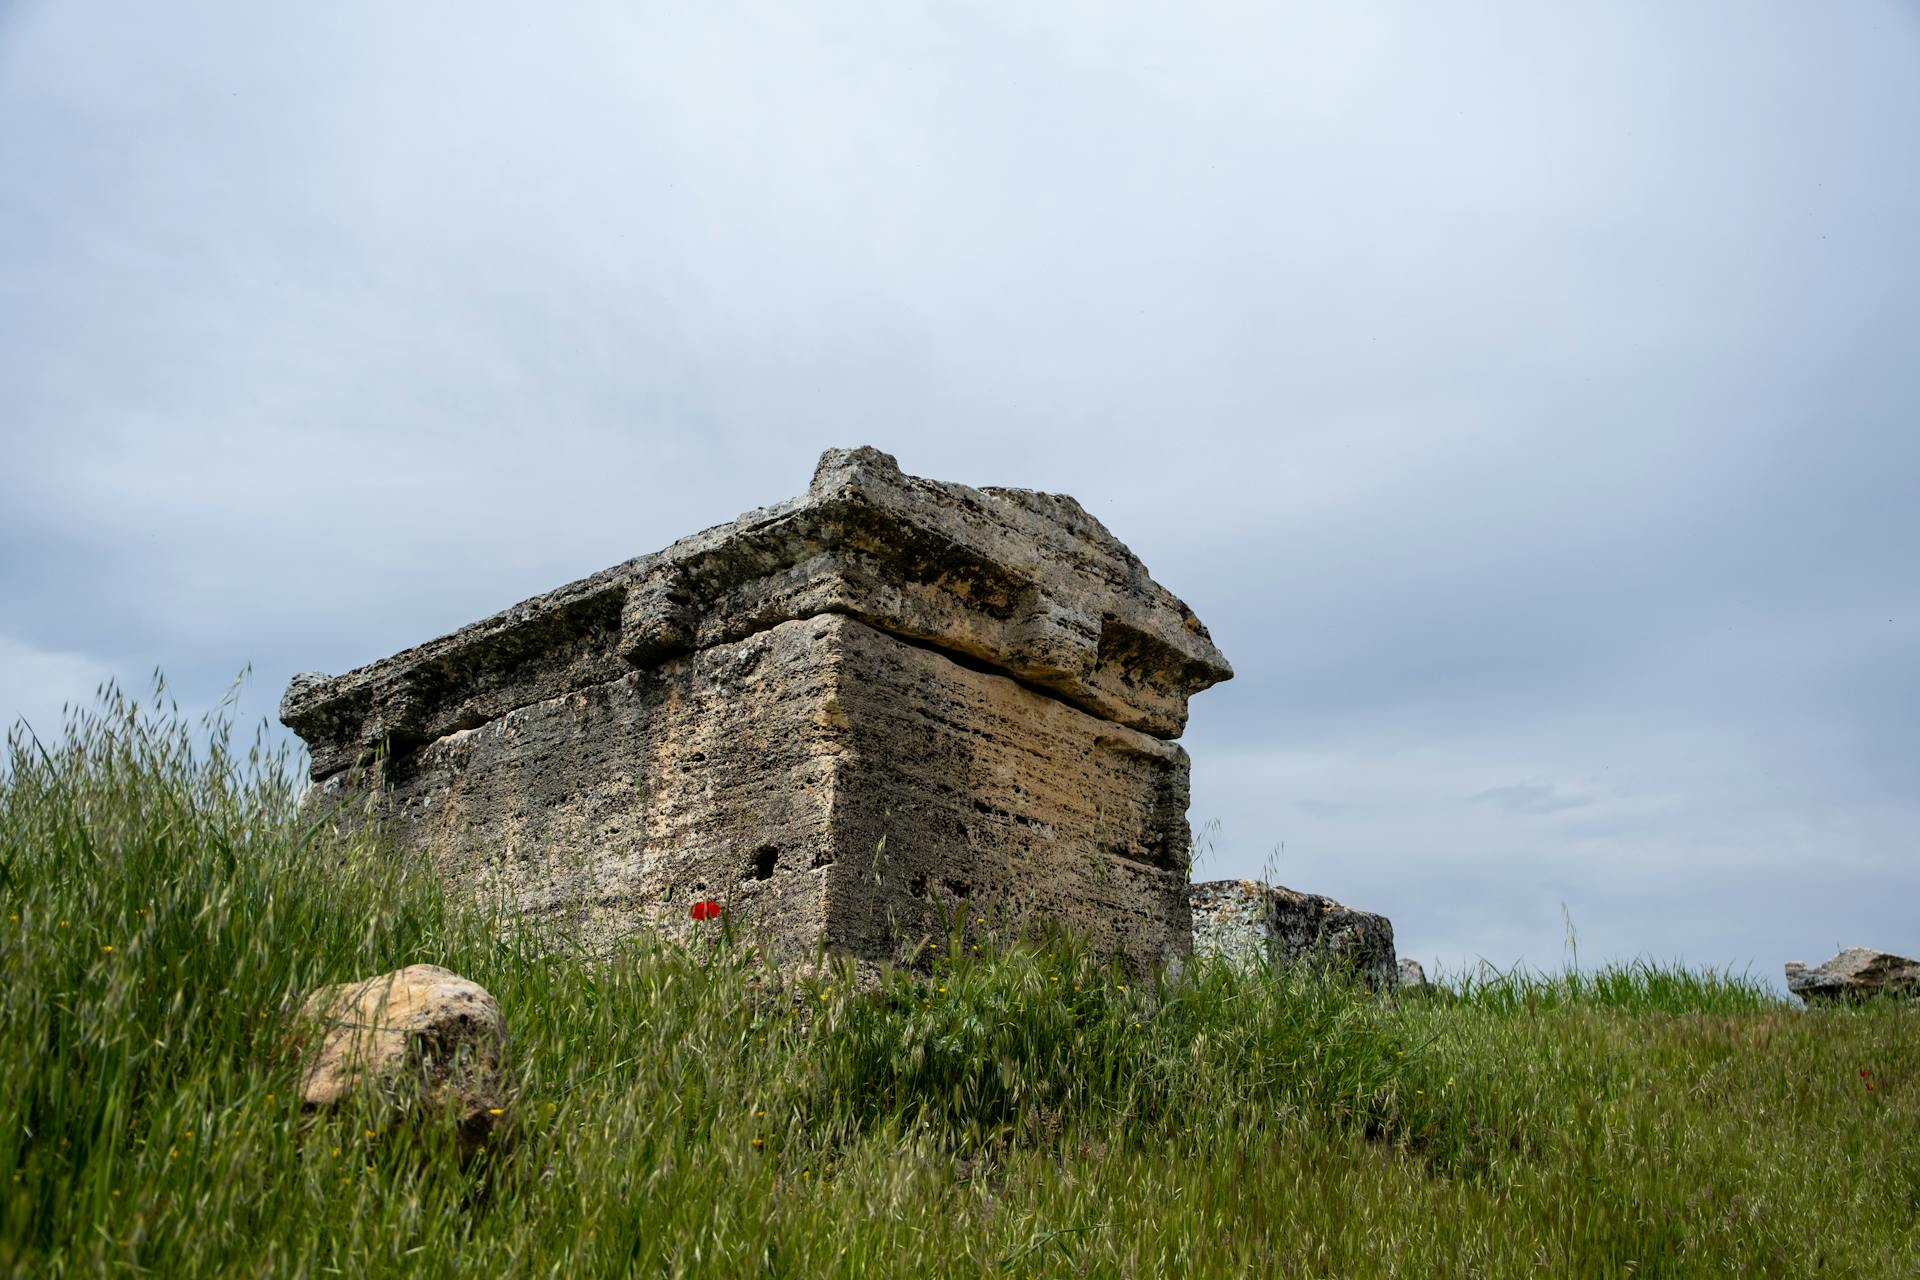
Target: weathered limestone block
<point x="419" y="1039"/>
<point x="845" y="716"/>
<point x="1855" y="974"/>
<point x="1252" y="923"/>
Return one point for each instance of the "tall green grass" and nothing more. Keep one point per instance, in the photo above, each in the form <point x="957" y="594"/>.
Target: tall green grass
<point x="1022" y="1111"/>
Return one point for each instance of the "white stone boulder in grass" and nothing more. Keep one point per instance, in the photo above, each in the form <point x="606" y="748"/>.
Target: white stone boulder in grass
<point x="1855" y="974"/>
<point x="424" y="1038"/>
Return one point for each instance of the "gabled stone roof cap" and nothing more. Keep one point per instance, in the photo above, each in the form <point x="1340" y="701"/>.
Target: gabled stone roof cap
<point x="1026" y="583"/>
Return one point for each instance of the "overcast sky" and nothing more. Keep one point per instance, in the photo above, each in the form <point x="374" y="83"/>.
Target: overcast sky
<point x="1526" y="396"/>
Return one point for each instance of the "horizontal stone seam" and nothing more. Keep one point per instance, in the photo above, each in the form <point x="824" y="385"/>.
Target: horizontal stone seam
<point x="959" y="659"/>
<point x="974" y="663"/>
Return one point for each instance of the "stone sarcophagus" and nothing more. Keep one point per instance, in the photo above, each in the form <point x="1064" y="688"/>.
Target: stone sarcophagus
<point x="847" y="717"/>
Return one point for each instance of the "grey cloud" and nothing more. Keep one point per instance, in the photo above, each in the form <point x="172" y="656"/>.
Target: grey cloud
<point x="1530" y="799"/>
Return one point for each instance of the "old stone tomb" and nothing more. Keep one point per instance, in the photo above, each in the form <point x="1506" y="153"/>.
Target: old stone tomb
<point x="845" y="717"/>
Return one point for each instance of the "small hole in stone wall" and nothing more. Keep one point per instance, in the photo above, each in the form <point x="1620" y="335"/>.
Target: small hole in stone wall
<point x="958" y="890"/>
<point x="765" y="859"/>
<point x="919" y="885"/>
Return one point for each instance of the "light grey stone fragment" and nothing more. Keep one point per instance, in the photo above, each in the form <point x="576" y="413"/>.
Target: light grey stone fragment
<point x="1412" y="976"/>
<point x="1855" y="974"/>
<point x="1251" y="923"/>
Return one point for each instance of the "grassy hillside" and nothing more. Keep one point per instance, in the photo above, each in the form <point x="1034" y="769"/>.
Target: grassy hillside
<point x="1020" y="1111"/>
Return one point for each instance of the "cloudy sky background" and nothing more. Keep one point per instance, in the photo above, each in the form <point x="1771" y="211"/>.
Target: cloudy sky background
<point x="1527" y="397"/>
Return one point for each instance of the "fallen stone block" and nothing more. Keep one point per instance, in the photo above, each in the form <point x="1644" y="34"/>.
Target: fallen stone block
<point x="421" y="1040"/>
<point x="1251" y="923"/>
<point x="1855" y="974"/>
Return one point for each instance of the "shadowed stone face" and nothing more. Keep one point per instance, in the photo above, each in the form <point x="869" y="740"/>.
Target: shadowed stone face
<point x="847" y="717"/>
<point x="1252" y="924"/>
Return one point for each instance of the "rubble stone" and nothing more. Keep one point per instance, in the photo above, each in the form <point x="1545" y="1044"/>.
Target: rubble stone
<point x="423" y="1039"/>
<point x="1251" y="923"/>
<point x="1854" y="974"/>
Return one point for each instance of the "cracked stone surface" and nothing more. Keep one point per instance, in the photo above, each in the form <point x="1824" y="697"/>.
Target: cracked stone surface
<point x="1253" y="923"/>
<point x="422" y="1038"/>
<point x="1855" y="974"/>
<point x="848" y="717"/>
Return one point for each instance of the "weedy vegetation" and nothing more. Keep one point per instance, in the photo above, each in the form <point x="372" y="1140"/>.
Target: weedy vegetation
<point x="1016" y="1110"/>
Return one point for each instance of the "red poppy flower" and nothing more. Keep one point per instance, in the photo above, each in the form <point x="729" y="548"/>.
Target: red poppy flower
<point x="706" y="909"/>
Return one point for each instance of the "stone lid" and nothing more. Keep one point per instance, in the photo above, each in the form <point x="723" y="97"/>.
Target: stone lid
<point x="1022" y="582"/>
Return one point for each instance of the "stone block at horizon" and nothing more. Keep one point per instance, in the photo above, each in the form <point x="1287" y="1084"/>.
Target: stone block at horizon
<point x="846" y="717"/>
